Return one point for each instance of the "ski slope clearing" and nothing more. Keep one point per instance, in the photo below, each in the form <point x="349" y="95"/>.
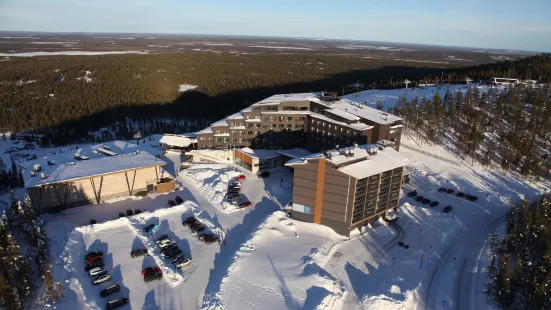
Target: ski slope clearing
<point x="116" y="239"/>
<point x="389" y="97"/>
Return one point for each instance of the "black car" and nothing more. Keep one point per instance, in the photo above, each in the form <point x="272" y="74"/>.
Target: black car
<point x="110" y="290"/>
<point x="116" y="303"/>
<point x="169" y="248"/>
<point x="138" y="253"/>
<point x="92" y="254"/>
<point x="172" y="253"/>
<point x="471" y="197"/>
<point x="426" y="201"/>
<point x="233" y="190"/>
<point x="94" y="264"/>
<point x="412" y="194"/>
<point x="419" y="198"/>
<point x="189" y="221"/>
<point x="434" y="203"/>
<point x="179" y="200"/>
<point x="162" y="237"/>
<point x="176" y="258"/>
<point x="447" y="209"/>
<point x="151" y="276"/>
<point x="442" y="190"/>
<point x="149" y="228"/>
<point x="197" y="227"/>
<point x="209" y="239"/>
<point x="460" y="195"/>
<point x="263" y="174"/>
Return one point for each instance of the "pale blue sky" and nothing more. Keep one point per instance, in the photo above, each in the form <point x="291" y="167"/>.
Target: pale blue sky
<point x="520" y="24"/>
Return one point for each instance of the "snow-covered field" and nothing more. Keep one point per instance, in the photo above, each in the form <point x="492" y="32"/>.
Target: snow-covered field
<point x="389" y="97"/>
<point x="69" y="53"/>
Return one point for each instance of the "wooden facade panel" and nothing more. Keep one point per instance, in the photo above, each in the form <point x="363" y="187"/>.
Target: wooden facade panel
<point x="339" y="199"/>
<point x="304" y="174"/>
<point x="335" y="189"/>
<point x="306" y="192"/>
<point x="334" y="207"/>
<point x="336" y="180"/>
<point x="304" y="183"/>
<point x="307" y="201"/>
<point x="333" y="216"/>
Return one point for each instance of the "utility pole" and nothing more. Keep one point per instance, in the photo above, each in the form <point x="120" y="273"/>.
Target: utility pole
<point x="423" y="257"/>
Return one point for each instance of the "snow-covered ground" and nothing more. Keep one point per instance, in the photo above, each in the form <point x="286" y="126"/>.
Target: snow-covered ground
<point x="389" y="97"/>
<point x="186" y="87"/>
<point x="70" y="53"/>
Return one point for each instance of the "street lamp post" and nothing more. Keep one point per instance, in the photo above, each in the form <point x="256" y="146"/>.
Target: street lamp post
<point x="423" y="257"/>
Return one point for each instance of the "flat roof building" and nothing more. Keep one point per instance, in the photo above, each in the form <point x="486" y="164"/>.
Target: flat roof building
<point x="305" y="120"/>
<point x="94" y="174"/>
<point x="347" y="188"/>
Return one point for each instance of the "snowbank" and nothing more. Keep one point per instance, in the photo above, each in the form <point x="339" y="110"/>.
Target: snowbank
<point x="186" y="87"/>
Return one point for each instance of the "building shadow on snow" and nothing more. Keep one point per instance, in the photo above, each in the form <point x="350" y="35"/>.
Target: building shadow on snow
<point x="150" y="303"/>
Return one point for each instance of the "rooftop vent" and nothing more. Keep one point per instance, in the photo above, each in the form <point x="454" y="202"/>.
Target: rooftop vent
<point x="42" y="176"/>
<point x="37" y="168"/>
<point x="32" y="173"/>
<point x="72" y="163"/>
<point x="355" y="145"/>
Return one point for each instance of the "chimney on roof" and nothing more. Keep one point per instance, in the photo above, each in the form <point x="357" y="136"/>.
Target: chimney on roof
<point x="42" y="176"/>
<point x="337" y="147"/>
<point x="355" y="145"/>
<point x="32" y="173"/>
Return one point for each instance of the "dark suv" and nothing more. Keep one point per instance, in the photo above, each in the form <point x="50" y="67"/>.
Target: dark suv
<point x="189" y="221"/>
<point x="110" y="290"/>
<point x="116" y="303"/>
<point x="151" y="276"/>
<point x="94" y="264"/>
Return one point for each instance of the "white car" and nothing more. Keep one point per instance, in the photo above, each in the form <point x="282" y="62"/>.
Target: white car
<point x="184" y="262"/>
<point x="100" y="279"/>
<point x="165" y="243"/>
<point x="96" y="271"/>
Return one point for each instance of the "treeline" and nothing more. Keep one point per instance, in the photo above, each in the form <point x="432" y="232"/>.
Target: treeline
<point x="10" y="178"/>
<point x="511" y="129"/>
<point x="520" y="270"/>
<point x="24" y="269"/>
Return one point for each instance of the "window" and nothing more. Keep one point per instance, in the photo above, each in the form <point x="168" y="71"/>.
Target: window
<point x="217" y="131"/>
<point x="274" y="125"/>
<point x="281" y="125"/>
<point x="250" y="132"/>
<point x="248" y="117"/>
<point x="289" y="125"/>
<point x="240" y="140"/>
<point x="202" y="138"/>
<point x="289" y="118"/>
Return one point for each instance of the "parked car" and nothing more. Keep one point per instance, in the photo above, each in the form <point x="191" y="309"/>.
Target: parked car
<point x="245" y="204"/>
<point x="209" y="238"/>
<point x="179" y="200"/>
<point x="116" y="303"/>
<point x="121" y="214"/>
<point x="95" y="264"/>
<point x="442" y="190"/>
<point x="94" y="272"/>
<point x="138" y="253"/>
<point x="151" y="269"/>
<point x="171" y="203"/>
<point x="92" y="254"/>
<point x="412" y="193"/>
<point x="93" y="259"/>
<point x="241" y="177"/>
<point x="169" y="248"/>
<point x="426" y="201"/>
<point x="165" y="243"/>
<point x="162" y="237"/>
<point x="100" y="279"/>
<point x="234" y="183"/>
<point x="149" y="228"/>
<point x="171" y="253"/>
<point x="183" y="262"/>
<point x="197" y="227"/>
<point x="176" y="258"/>
<point x="129" y="212"/>
<point x="434" y="203"/>
<point x="148" y="277"/>
<point x="263" y="174"/>
<point x="450" y="191"/>
<point x="234" y="190"/>
<point x="447" y="209"/>
<point x="460" y="195"/>
<point x="189" y="220"/>
<point x="115" y="288"/>
<point x="471" y="197"/>
<point x="419" y="198"/>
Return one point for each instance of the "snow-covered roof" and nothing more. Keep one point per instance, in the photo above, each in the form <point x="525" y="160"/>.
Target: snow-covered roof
<point x="175" y="140"/>
<point x="359" y="161"/>
<point x="238" y="128"/>
<point x="357" y="126"/>
<point x="287" y="97"/>
<point x="294" y="153"/>
<point x="206" y="130"/>
<point x="343" y="114"/>
<point x="237" y="115"/>
<point x="253" y="120"/>
<point x="222" y="134"/>
<point x="88" y="168"/>
<point x="366" y="112"/>
<point x="259" y="153"/>
<point x="219" y="123"/>
<point x="290" y="112"/>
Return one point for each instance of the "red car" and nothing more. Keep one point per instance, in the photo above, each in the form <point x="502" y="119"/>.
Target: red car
<point x="245" y="204"/>
<point x="171" y="203"/>
<point x="93" y="259"/>
<point x="150" y="270"/>
<point x="241" y="177"/>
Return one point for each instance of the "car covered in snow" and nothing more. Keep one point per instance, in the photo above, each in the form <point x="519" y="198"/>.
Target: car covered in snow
<point x="96" y="271"/>
<point x="171" y="203"/>
<point x="471" y="197"/>
<point x="115" y="288"/>
<point x="161" y="238"/>
<point x="138" y="252"/>
<point x="412" y="193"/>
<point x="165" y="243"/>
<point x="183" y="262"/>
<point x="460" y="195"/>
<point x="116" y="303"/>
<point x="100" y="279"/>
<point x="196" y="227"/>
<point x="93" y="254"/>
<point x="179" y="200"/>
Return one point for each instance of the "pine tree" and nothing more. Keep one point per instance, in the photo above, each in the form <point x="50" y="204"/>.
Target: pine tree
<point x="8" y="299"/>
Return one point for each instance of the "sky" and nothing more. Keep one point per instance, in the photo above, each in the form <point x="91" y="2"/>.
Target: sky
<point x="505" y="24"/>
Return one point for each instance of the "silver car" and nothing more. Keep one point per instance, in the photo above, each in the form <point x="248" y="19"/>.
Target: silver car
<point x="100" y="279"/>
<point x="94" y="272"/>
<point x="183" y="262"/>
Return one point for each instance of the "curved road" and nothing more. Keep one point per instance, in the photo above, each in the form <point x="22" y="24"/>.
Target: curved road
<point x="453" y="281"/>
